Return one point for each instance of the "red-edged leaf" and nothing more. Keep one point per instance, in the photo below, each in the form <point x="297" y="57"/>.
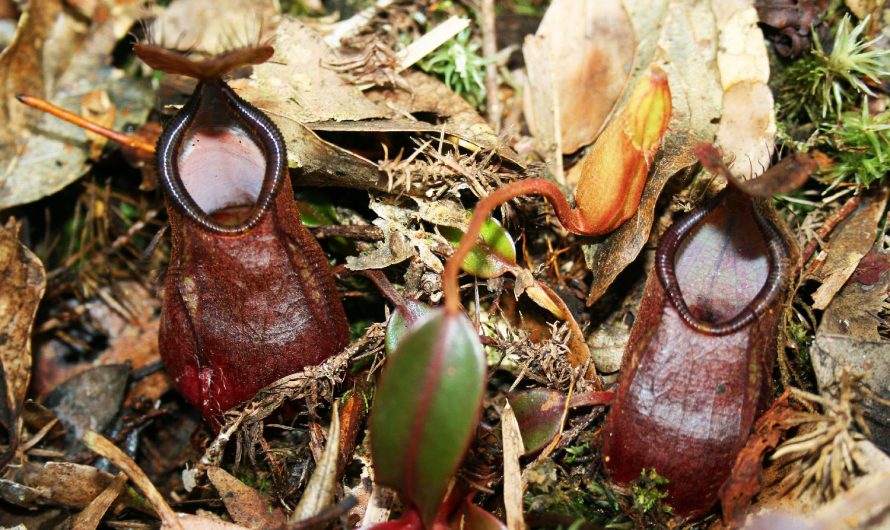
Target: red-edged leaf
<point x="539" y="414"/>
<point x="402" y="320"/>
<point x="426" y="409"/>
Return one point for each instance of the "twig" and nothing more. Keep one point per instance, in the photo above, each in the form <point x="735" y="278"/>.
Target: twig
<point x="846" y="210"/>
<point x="362" y="232"/>
<point x="99" y="444"/>
<point x="493" y="108"/>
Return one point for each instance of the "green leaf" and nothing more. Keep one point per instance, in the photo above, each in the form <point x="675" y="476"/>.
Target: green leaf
<point x="315" y="208"/>
<point x="426" y="409"/>
<point x="403" y="320"/>
<point x="539" y="413"/>
<point x="490" y="259"/>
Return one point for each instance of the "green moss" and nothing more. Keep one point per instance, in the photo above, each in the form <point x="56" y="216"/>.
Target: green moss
<point x="459" y="65"/>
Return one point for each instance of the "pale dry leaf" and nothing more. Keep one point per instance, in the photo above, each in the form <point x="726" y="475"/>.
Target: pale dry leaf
<point x="319" y="493"/>
<point x="295" y="83"/>
<point x="835" y="280"/>
<point x="24" y="282"/>
<point x="747" y="131"/>
<point x="514" y="489"/>
<point x="590" y="49"/>
<point x="245" y="505"/>
<point x="188" y="521"/>
<point x="542" y="98"/>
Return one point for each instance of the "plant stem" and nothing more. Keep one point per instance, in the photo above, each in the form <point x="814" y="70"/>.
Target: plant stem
<point x="84" y="123"/>
<point x="570" y="218"/>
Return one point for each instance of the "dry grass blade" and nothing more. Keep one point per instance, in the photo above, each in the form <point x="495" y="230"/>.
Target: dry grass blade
<point x="101" y="445"/>
<point x="513" y="489"/>
<point x="319" y="492"/>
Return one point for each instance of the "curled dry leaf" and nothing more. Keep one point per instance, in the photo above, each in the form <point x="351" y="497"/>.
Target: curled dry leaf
<point x="24" y="281"/>
<point x="319" y="493"/>
<point x="513" y="486"/>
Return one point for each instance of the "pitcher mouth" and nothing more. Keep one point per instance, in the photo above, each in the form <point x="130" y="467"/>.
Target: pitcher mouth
<point x="719" y="322"/>
<point x="221" y="160"/>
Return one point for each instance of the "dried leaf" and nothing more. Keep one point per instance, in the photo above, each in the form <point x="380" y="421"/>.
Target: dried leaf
<point x="513" y="487"/>
<point x="99" y="444"/>
<point x="59" y="45"/>
<point x="70" y="485"/>
<point x="295" y="83"/>
<point x="246" y="506"/>
<point x="24" y="282"/>
<point x="834" y="281"/>
<point x="89" y="400"/>
<point x="586" y="83"/>
<point x="319" y="493"/>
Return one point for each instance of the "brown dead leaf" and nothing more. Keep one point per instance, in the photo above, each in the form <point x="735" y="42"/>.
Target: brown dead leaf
<point x="59" y="55"/>
<point x="246" y="506"/>
<point x="589" y="51"/>
<point x="89" y="400"/>
<point x="101" y="445"/>
<point x="21" y="71"/>
<point x="71" y="485"/>
<point x="835" y="280"/>
<point x="296" y="85"/>
<point x="855" y="235"/>
<point x="24" y="281"/>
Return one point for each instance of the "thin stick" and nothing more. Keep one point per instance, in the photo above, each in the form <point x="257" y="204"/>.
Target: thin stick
<point x="570" y="219"/>
<point x="99" y="444"/>
<point x="84" y="123"/>
<point x="846" y="210"/>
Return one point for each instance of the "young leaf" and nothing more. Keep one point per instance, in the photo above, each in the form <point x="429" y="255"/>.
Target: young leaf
<point x="403" y="319"/>
<point x="490" y="259"/>
<point x="426" y="409"/>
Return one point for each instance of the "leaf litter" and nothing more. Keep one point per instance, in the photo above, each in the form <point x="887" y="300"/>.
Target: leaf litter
<point x="402" y="156"/>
